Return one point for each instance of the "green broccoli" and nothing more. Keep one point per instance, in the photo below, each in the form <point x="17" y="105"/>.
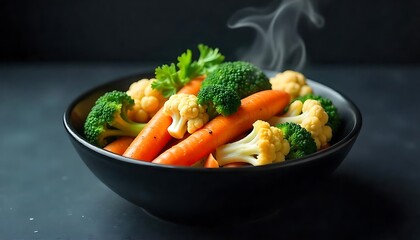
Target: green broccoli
<point x="108" y="119"/>
<point x="300" y="140"/>
<point x="244" y="77"/>
<point x="223" y="88"/>
<point x="219" y="99"/>
<point x="311" y="116"/>
<point x="330" y="109"/>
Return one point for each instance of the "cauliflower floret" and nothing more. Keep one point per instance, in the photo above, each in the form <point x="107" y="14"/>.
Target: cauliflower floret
<point x="186" y="113"/>
<point x="316" y="124"/>
<point x="263" y="145"/>
<point x="295" y="108"/>
<point x="147" y="101"/>
<point x="291" y="82"/>
<point x="313" y="118"/>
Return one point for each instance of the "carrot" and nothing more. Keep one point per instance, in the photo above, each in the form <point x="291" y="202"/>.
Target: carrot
<point x="119" y="145"/>
<point x="154" y="136"/>
<point x="236" y="164"/>
<point x="211" y="162"/>
<point x="261" y="105"/>
<point x="174" y="141"/>
<point x="193" y="86"/>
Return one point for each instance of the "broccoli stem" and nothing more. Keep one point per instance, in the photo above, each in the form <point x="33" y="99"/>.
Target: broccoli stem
<point x="131" y="128"/>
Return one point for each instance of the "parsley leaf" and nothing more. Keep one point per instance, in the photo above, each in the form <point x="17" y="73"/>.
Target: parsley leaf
<point x="169" y="79"/>
<point x="209" y="59"/>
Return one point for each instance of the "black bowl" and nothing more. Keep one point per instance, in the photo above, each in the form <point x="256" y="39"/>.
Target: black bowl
<point x="210" y="196"/>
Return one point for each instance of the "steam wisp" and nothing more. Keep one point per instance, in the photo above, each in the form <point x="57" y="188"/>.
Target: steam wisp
<point x="278" y="45"/>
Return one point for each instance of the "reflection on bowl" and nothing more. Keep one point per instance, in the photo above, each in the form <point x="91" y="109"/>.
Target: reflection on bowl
<point x="209" y="196"/>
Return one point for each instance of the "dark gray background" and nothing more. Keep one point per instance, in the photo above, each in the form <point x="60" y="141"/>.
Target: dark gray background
<point x="131" y="30"/>
<point x="52" y="50"/>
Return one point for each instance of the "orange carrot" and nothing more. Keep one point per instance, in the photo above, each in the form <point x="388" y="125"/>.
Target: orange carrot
<point x="236" y="164"/>
<point x="119" y="145"/>
<point x="175" y="141"/>
<point x="261" y="105"/>
<point x="154" y="136"/>
<point x="211" y="162"/>
<point x="193" y="86"/>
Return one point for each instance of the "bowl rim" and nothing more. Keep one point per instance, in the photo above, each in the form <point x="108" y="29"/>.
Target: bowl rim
<point x="290" y="163"/>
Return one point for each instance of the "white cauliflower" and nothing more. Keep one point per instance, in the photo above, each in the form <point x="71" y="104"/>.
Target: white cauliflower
<point x="291" y="82"/>
<point x="186" y="113"/>
<point x="313" y="118"/>
<point x="263" y="145"/>
<point x="147" y="101"/>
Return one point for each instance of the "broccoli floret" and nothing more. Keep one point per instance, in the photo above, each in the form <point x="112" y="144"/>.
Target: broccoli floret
<point x="313" y="118"/>
<point x="244" y="77"/>
<point x="223" y="88"/>
<point x="108" y="119"/>
<point x="219" y="99"/>
<point x="300" y="140"/>
<point x="330" y="109"/>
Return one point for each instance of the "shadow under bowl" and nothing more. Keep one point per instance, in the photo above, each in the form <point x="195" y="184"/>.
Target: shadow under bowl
<point x="189" y="195"/>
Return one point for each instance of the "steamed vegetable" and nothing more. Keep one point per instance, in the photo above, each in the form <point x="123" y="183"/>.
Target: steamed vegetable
<point x="223" y="89"/>
<point x="119" y="145"/>
<point x="243" y="77"/>
<point x="313" y="118"/>
<point x="147" y="101"/>
<point x="186" y="114"/>
<point x="211" y="162"/>
<point x="265" y="144"/>
<point x="219" y="99"/>
<point x="153" y="138"/>
<point x="171" y="78"/>
<point x="108" y="119"/>
<point x="222" y="129"/>
<point x="291" y="82"/>
<point x="329" y="107"/>
<point x="300" y="140"/>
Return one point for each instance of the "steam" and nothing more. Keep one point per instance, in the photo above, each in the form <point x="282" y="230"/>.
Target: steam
<point x="278" y="45"/>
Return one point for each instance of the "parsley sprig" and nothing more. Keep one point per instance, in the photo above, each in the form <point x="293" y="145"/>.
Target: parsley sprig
<point x="170" y="78"/>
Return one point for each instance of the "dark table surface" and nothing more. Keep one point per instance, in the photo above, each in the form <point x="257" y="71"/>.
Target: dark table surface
<point x="46" y="191"/>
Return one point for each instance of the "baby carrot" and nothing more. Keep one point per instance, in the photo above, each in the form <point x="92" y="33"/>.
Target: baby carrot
<point x="154" y="136"/>
<point x="211" y="162"/>
<point x="119" y="145"/>
<point x="222" y="129"/>
<point x="193" y="86"/>
<point x="236" y="164"/>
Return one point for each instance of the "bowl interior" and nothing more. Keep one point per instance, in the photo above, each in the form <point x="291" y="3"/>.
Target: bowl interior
<point x="80" y="107"/>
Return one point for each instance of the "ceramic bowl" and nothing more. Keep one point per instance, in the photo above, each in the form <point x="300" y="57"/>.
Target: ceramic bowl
<point x="209" y="196"/>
